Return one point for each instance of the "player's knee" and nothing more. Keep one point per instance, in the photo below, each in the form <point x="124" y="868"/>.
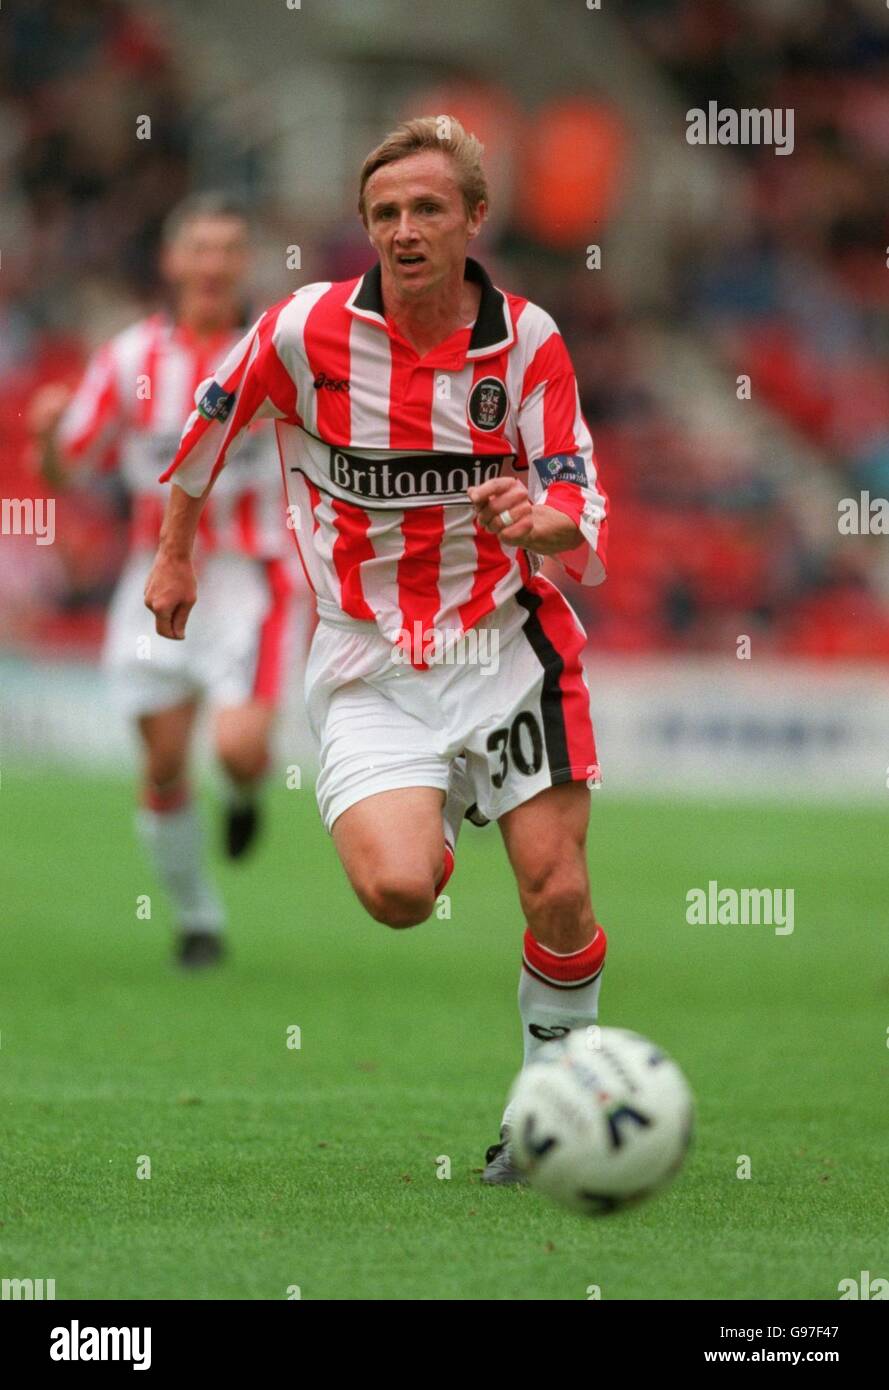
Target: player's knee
<point x="398" y="900"/>
<point x="164" y="766"/>
<point x="559" y="901"/>
<point x="243" y="761"/>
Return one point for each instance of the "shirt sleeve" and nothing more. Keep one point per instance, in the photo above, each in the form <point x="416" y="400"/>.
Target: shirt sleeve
<point x="562" y="471"/>
<point x="251" y="383"/>
<point x="93" y="419"/>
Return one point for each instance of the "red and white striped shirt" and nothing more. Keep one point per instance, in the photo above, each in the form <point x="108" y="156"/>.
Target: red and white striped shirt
<point x="379" y="446"/>
<point x="127" y="413"/>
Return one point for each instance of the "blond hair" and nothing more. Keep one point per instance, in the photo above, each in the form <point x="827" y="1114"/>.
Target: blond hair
<point x="432" y="133"/>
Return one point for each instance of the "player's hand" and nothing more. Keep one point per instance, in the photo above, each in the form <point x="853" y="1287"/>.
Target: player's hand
<point x="171" y="593"/>
<point x="46" y="408"/>
<point x="501" y="495"/>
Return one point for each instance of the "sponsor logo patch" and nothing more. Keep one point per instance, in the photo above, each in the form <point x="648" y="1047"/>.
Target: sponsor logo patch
<point x="216" y="404"/>
<point x="403" y="478"/>
<point x="488" y="403"/>
<point x="561" y="468"/>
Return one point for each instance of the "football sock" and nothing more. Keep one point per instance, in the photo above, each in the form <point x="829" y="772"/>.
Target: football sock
<point x="448" y="869"/>
<point x="238" y="793"/>
<point x="458" y="797"/>
<point x="558" y="992"/>
<point x="169" y="827"/>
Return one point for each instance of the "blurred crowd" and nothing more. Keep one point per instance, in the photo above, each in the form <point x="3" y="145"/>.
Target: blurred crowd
<point x="705" y="543"/>
<point x="795" y="294"/>
<point x="80" y="222"/>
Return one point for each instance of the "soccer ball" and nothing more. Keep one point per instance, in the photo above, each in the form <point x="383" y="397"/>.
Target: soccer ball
<point x="601" y="1119"/>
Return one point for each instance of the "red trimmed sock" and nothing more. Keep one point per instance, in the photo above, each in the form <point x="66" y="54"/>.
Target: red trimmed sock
<point x="449" y="862"/>
<point x="572" y="971"/>
<point x="167" y="798"/>
<point x="558" y="992"/>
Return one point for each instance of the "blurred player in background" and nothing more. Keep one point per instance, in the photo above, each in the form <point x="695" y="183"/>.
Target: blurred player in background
<point x="127" y="414"/>
<point x="433" y="441"/>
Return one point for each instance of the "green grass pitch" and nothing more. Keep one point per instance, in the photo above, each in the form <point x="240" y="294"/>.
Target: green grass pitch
<point x="274" y="1167"/>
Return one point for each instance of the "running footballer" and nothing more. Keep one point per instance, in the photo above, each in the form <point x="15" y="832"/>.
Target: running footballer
<point x="434" y="450"/>
<point x="126" y="414"/>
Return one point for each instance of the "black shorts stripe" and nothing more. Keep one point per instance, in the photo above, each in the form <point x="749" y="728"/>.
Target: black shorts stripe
<point x="551" y="710"/>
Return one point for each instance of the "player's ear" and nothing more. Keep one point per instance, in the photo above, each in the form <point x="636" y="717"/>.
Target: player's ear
<point x="477" y="219"/>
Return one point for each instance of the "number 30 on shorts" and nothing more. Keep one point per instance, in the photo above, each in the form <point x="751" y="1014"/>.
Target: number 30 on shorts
<point x="523" y="742"/>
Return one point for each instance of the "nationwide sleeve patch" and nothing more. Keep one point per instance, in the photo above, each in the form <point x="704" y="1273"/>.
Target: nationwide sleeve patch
<point x="216" y="404"/>
<point x="562" y="468"/>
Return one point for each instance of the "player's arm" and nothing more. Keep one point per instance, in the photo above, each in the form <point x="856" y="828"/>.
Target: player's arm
<point x="76" y="429"/>
<point x="251" y="382"/>
<point x="563" y="510"/>
<point x="171" y="591"/>
<point x="45" y="410"/>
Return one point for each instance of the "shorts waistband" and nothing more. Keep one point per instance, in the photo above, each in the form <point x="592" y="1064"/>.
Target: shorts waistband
<point x="331" y="613"/>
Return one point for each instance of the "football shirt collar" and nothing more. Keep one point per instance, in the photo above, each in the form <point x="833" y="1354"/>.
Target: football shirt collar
<point x="492" y="332"/>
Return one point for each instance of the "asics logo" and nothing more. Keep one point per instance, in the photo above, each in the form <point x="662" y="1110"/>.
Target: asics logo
<point x="330" y="383"/>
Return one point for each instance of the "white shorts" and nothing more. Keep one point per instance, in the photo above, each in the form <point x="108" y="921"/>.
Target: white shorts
<point x="523" y="721"/>
<point x="235" y="642"/>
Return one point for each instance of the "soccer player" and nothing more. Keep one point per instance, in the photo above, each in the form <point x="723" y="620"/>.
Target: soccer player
<point x="127" y="413"/>
<point x="433" y="443"/>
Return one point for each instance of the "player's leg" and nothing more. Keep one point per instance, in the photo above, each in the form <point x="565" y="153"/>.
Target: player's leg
<point x="153" y="687"/>
<point x="242" y="739"/>
<point x="241" y="661"/>
<point x="382" y="786"/>
<point x="564" y="947"/>
<point x="392" y="846"/>
<point x="169" y="827"/>
<point x="532" y="757"/>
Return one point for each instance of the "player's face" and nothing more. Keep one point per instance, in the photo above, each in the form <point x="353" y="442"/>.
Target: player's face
<point x="207" y="264"/>
<point x="417" y="221"/>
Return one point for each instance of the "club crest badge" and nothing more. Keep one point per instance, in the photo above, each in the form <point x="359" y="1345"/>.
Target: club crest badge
<point x="488" y="403"/>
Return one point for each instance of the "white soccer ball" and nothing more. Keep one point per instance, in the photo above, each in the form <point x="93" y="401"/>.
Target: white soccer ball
<point x="600" y="1119"/>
